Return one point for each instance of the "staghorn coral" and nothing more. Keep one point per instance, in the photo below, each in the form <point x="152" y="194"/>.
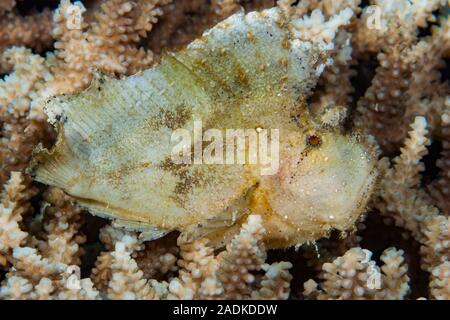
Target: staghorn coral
<point x="32" y="31"/>
<point x="39" y="265"/>
<point x="20" y="134"/>
<point x="334" y="86"/>
<point x="230" y="274"/>
<point x="408" y="70"/>
<point x="185" y="20"/>
<point x="61" y="223"/>
<point x="244" y="254"/>
<point x="440" y="283"/>
<point x="107" y="44"/>
<point x="439" y="189"/>
<point x="127" y="280"/>
<point x="436" y="248"/>
<point x="375" y="27"/>
<point x="356" y="276"/>
<point x="398" y="195"/>
<point x="34" y="277"/>
<point x="224" y="8"/>
<point x="42" y="230"/>
<point x="159" y="258"/>
<point x="6" y="5"/>
<point x="15" y="204"/>
<point x="201" y="274"/>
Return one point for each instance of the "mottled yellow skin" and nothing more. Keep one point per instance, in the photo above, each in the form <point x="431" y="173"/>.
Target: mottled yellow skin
<point x="113" y="150"/>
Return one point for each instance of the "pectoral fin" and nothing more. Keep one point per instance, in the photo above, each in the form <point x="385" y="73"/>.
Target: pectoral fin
<point x="221" y="226"/>
<point x="147" y="233"/>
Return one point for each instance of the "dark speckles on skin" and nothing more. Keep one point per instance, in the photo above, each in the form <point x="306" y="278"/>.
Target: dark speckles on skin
<point x="168" y="165"/>
<point x="188" y="179"/>
<point x="173" y="119"/>
<point x="115" y="177"/>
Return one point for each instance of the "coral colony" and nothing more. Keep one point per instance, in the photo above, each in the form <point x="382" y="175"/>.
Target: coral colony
<point x="225" y="149"/>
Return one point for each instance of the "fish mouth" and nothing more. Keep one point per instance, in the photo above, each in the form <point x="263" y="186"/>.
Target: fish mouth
<point x="365" y="191"/>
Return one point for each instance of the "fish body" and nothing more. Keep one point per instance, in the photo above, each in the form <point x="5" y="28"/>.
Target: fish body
<point x="115" y="154"/>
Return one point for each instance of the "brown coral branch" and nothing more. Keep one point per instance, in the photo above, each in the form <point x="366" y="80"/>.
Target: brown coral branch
<point x="33" y="31"/>
<point x="440" y="282"/>
<point x="355" y="276"/>
<point x="15" y="204"/>
<point x="440" y="188"/>
<point x="62" y="222"/>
